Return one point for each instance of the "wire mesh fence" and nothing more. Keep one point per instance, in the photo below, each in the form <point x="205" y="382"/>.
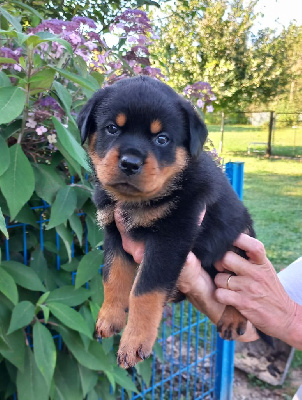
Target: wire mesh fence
<point x="187" y="361"/>
<point x="251" y="133"/>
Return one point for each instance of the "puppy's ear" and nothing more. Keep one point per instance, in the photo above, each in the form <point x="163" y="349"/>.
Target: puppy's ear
<point x="197" y="128"/>
<point x="86" y="119"/>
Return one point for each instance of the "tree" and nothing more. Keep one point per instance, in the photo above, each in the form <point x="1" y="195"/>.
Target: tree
<point x="213" y="41"/>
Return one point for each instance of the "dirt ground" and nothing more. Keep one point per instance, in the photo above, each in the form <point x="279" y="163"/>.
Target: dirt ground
<point x="272" y="365"/>
<point x="246" y="388"/>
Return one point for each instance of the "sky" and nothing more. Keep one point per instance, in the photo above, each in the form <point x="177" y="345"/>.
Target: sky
<point x="279" y="13"/>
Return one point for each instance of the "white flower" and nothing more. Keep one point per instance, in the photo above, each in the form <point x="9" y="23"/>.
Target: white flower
<point x="40" y="130"/>
<point x="213" y="97"/>
<point x="52" y="138"/>
<point x="31" y="123"/>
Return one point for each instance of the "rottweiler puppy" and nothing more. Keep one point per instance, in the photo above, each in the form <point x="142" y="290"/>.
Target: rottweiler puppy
<point x="146" y="148"/>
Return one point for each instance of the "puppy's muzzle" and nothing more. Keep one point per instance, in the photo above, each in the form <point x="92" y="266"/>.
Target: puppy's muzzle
<point x="131" y="164"/>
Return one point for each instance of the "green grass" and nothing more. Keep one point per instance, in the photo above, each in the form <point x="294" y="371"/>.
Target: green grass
<point x="285" y="142"/>
<point x="273" y="195"/>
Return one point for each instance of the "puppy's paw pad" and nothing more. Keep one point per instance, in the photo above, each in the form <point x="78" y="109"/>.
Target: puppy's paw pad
<point x="232" y="324"/>
<point x="128" y="356"/>
<point x="109" y="324"/>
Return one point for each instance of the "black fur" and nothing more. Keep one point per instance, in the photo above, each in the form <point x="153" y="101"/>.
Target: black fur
<point x="200" y="184"/>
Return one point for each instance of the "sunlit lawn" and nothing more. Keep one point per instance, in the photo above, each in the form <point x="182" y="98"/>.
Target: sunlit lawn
<point x="285" y="141"/>
<point x="272" y="193"/>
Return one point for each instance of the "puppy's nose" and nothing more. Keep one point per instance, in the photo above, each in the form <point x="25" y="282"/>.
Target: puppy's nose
<point x="130" y="164"/>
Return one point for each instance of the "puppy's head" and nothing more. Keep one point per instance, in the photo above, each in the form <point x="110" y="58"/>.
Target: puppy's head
<point x="141" y="136"/>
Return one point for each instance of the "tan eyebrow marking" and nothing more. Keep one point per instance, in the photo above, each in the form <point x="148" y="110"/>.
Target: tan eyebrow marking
<point x="121" y="119"/>
<point x="156" y="126"/>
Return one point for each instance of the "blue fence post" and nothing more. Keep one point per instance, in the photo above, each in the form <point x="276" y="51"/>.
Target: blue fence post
<point x="224" y="367"/>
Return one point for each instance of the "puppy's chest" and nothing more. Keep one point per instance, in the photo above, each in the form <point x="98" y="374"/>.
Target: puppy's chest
<point x="134" y="216"/>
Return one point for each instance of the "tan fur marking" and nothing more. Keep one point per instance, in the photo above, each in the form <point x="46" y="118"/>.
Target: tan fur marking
<point x="145" y="313"/>
<point x="112" y="316"/>
<point x="144" y="216"/>
<point x="105" y="216"/>
<point x="156" y="126"/>
<point x="151" y="183"/>
<point x="121" y="119"/>
<point x="91" y="143"/>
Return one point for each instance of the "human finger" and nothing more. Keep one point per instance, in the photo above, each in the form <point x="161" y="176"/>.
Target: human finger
<point x="235" y="263"/>
<point x="230" y="281"/>
<point x="254" y="248"/>
<point x="228" y="297"/>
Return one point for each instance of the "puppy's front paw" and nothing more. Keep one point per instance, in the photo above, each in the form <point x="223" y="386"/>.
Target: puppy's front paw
<point x="134" y="348"/>
<point x="231" y="324"/>
<point x="110" y="321"/>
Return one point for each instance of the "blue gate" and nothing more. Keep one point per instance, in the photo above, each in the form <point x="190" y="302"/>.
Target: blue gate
<point x="190" y="361"/>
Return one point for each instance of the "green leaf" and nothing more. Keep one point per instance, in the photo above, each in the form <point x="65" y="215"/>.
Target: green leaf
<point x="27" y="216"/>
<point x="68" y="295"/>
<point x="16" y="346"/>
<point x="23" y="275"/>
<point x="67" y="238"/>
<point x="95" y="233"/>
<point x="46" y="312"/>
<point x="43" y="298"/>
<point x="63" y="95"/>
<point x="48" y="182"/>
<point x="4" y="156"/>
<point x="30" y="383"/>
<point x="12" y="101"/>
<point x="83" y="82"/>
<point x="145" y="370"/>
<point x="89" y="266"/>
<point x="38" y="263"/>
<point x="17" y="183"/>
<point x="6" y="60"/>
<point x="76" y="226"/>
<point x="69" y="143"/>
<point x="11" y="19"/>
<point x="22" y="315"/>
<point x="2" y="224"/>
<point x="41" y="80"/>
<point x="72" y="266"/>
<point x="92" y="358"/>
<point x="44" y="352"/>
<point x="63" y="206"/>
<point x="28" y="8"/>
<point x="4" y="79"/>
<point x="69" y="317"/>
<point x="67" y="382"/>
<point x="9" y="130"/>
<point x="124" y="379"/>
<point x="8" y="286"/>
<point x="88" y="379"/>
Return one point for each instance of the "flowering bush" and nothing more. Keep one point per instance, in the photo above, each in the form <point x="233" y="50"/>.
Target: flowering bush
<point x="46" y="74"/>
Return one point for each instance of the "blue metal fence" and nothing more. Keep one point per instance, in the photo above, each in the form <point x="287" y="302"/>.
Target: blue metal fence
<point x="190" y="361"/>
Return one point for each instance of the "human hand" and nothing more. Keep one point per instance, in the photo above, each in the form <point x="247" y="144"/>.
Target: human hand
<point x="255" y="290"/>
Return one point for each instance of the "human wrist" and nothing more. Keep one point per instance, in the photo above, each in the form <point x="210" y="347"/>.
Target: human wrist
<point x="293" y="334"/>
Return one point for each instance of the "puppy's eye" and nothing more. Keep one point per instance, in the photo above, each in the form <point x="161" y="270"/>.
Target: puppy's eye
<point x="112" y="129"/>
<point x="162" y="139"/>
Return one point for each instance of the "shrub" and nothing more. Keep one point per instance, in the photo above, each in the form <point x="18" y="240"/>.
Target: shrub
<point x="47" y="73"/>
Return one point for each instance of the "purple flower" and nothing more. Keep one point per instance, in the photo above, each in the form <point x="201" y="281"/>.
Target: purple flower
<point x="85" y="21"/>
